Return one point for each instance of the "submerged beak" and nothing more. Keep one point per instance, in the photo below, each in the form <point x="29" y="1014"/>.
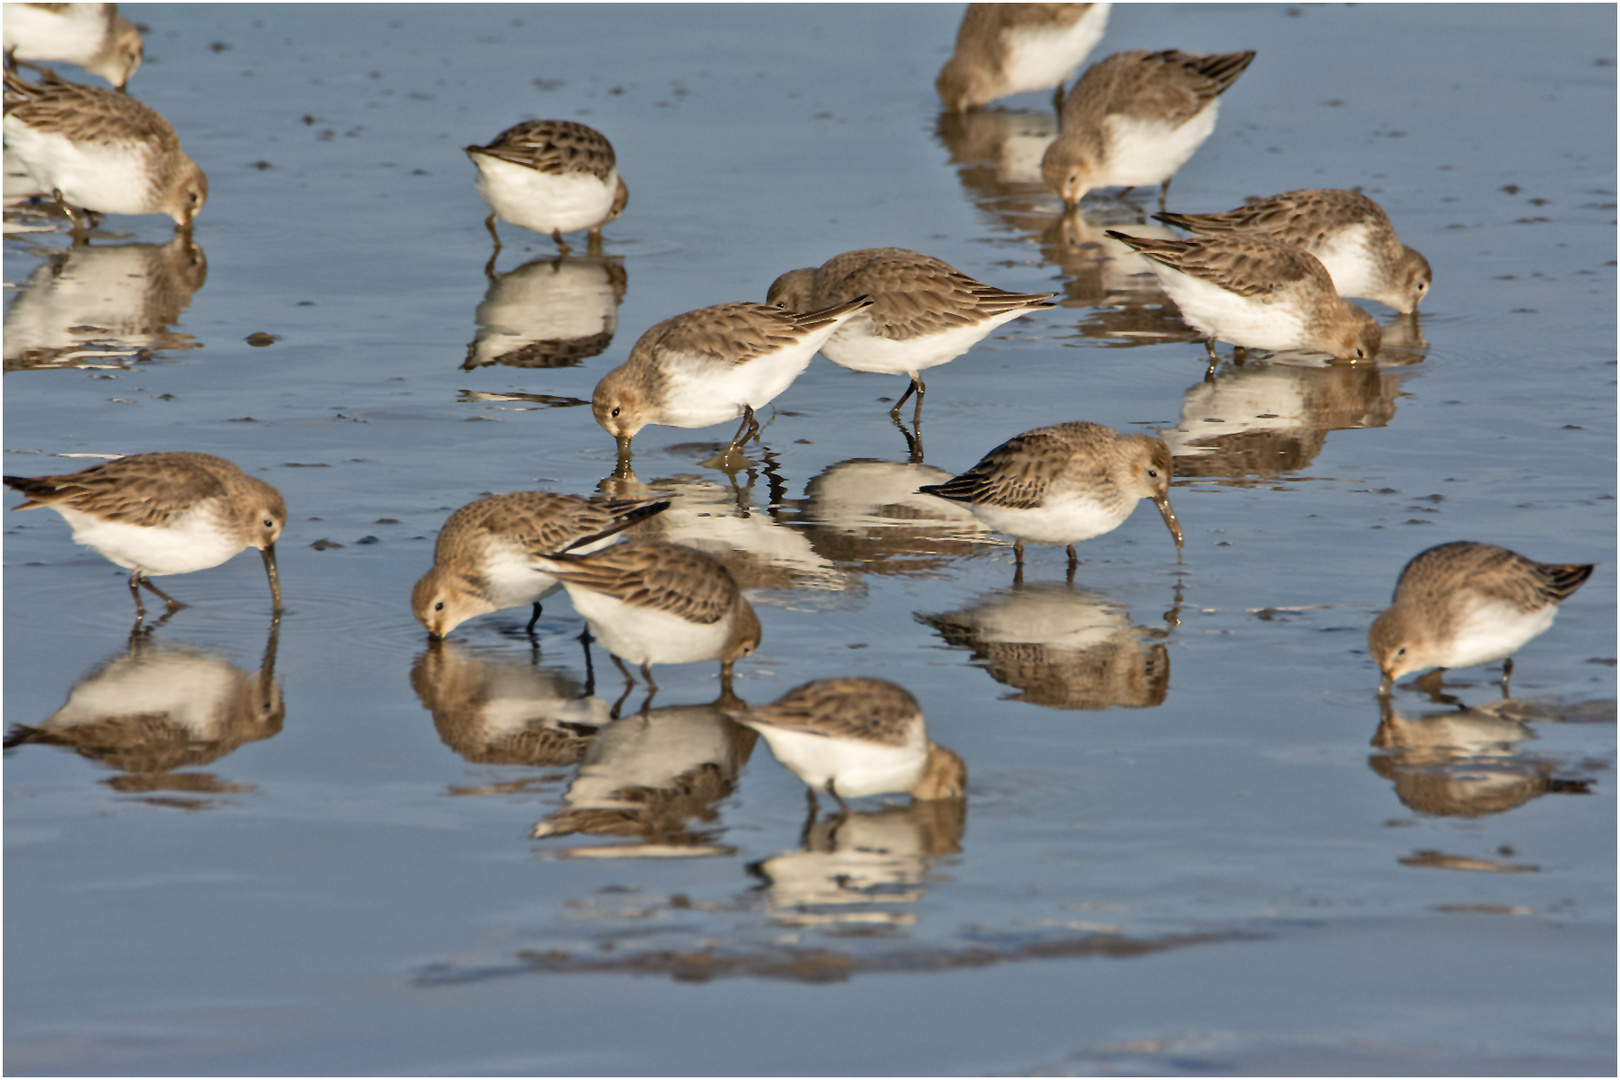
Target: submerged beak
<point x="1169" y="515"/>
<point x="269" y="553"/>
<point x="1385" y="686"/>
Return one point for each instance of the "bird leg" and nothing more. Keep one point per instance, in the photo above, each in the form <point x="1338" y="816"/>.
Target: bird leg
<point x="1018" y="556"/>
<point x="1507" y="673"/>
<point x="136" y="578"/>
<point x="1164" y="190"/>
<point x="80" y="227"/>
<point x="917" y="388"/>
<point x="593" y="241"/>
<point x="1209" y="347"/>
<point x="533" y="619"/>
<point x="749" y="425"/>
<point x="1074" y="561"/>
<point x="562" y="245"/>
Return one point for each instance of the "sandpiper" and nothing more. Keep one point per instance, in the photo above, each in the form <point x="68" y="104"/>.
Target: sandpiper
<point x="484" y="558"/>
<point x="93" y="36"/>
<point x="1135" y="118"/>
<point x="851" y="737"/>
<point x="650" y="602"/>
<point x="1466" y="603"/>
<point x="1005" y="49"/>
<point x="711" y="365"/>
<point x="924" y="311"/>
<point x="100" y="150"/>
<point x="164" y="513"/>
<point x="552" y="176"/>
<point x="1256" y="292"/>
<point x="1063" y="484"/>
<point x="1348" y="232"/>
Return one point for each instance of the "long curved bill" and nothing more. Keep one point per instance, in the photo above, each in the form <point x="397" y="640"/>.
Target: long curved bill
<point x="269" y="554"/>
<point x="1169" y="515"/>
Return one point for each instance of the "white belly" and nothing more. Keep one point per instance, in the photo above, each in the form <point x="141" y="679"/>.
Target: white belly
<point x="1224" y="315"/>
<point x="644" y="636"/>
<point x="1489" y="631"/>
<point x="1039" y="59"/>
<point x="191" y="543"/>
<point x="1345" y="256"/>
<point x="111" y="179"/>
<point x="699" y="390"/>
<point x="1062" y="520"/>
<point x="856" y="347"/>
<point x="1149" y="152"/>
<point x="858" y="767"/>
<point x="544" y="202"/>
<point x="72" y="34"/>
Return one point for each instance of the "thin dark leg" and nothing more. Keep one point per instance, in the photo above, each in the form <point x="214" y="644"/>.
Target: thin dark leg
<point x="1164" y="189"/>
<point x="174" y="605"/>
<point x="489" y="223"/>
<point x="590" y="672"/>
<point x="1240" y="355"/>
<point x="1018" y="557"/>
<point x="745" y="430"/>
<point x="1074" y="561"/>
<point x="135" y="591"/>
<point x="1507" y="673"/>
<point x="629" y="685"/>
<point x="917" y="388"/>
<point x="533" y="620"/>
<point x="1209" y="347"/>
<point x="1057" y="102"/>
<point x="562" y="245"/>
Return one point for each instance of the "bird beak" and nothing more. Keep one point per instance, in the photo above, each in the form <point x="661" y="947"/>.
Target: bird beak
<point x="269" y="553"/>
<point x="1169" y="515"/>
<point x="624" y="446"/>
<point x="1385" y="686"/>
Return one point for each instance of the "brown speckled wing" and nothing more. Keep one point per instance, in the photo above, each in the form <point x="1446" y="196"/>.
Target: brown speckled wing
<point x="869" y="709"/>
<point x="1018" y="473"/>
<point x="664" y="577"/>
<point x="143" y="489"/>
<point x="86" y="114"/>
<point x="915" y="294"/>
<point x="1247" y="264"/>
<point x="1299" y="217"/>
<point x="553" y="146"/>
<point x="1170" y="85"/>
<point x="738" y="332"/>
<point x="1491" y="571"/>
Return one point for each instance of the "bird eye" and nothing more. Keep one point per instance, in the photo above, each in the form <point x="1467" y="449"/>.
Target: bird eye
<point x="1361" y="354"/>
<point x="439" y="606"/>
<point x="615" y="411"/>
<point x="1401" y="651"/>
<point x="269" y="524"/>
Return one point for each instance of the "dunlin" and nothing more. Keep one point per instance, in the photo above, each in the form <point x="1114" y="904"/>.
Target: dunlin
<point x="1465" y="603"/>
<point x="1005" y="49"/>
<point x="852" y="737"/>
<point x="166" y="513"/>
<point x="649" y="602"/>
<point x="485" y="556"/>
<point x="712" y="365"/>
<point x="93" y="36"/>
<point x="1135" y="118"/>
<point x="924" y="311"/>
<point x="100" y="150"/>
<point x="1256" y="292"/>
<point x="1348" y="232"/>
<point x="1063" y="484"/>
<point x="552" y="176"/>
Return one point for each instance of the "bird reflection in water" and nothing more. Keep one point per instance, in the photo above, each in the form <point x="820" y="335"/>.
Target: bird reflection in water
<point x="161" y="706"/>
<point x="494" y="710"/>
<point x="867" y="516"/>
<point x="1064" y="647"/>
<point x="549" y="313"/>
<point x="863" y="870"/>
<point x="104" y="304"/>
<point x="729" y="523"/>
<point x="1472" y="762"/>
<point x="657" y="776"/>
<point x="1269" y="420"/>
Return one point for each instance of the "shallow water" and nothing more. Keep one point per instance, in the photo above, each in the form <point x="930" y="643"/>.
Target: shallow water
<point x="1181" y="851"/>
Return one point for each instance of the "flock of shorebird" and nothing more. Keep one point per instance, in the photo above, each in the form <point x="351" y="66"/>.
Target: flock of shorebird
<point x="1270" y="275"/>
